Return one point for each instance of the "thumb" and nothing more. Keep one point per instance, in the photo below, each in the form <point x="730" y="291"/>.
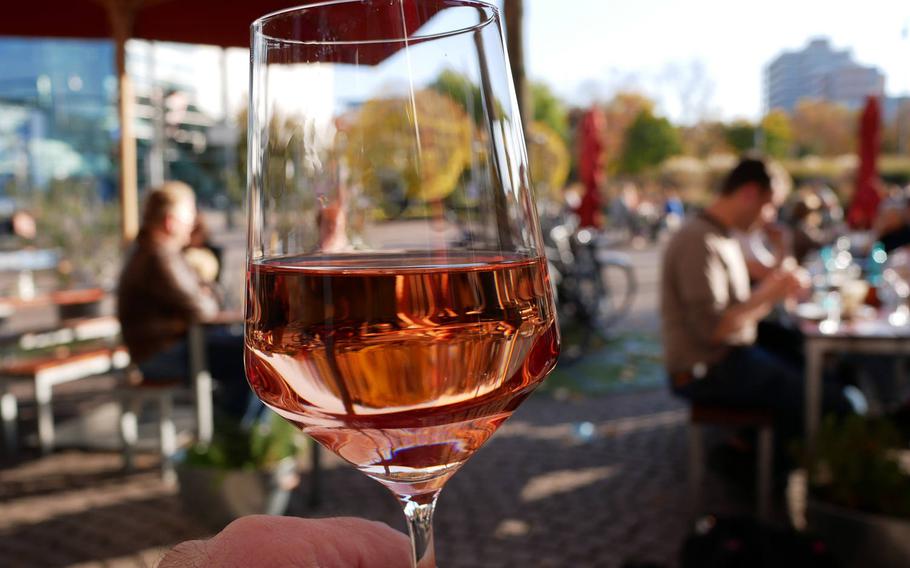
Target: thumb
<point x="261" y="541"/>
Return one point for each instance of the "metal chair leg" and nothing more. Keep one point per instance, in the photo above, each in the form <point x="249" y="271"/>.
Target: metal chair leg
<point x="43" y="395"/>
<point x="168" y="435"/>
<point x="130" y="408"/>
<point x="765" y="467"/>
<point x="9" y="414"/>
<point x="696" y="466"/>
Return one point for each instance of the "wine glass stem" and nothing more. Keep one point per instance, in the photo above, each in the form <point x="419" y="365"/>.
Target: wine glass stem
<point x="419" y="512"/>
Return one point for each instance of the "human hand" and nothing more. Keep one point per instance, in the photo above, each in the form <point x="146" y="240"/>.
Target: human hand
<point x="779" y="238"/>
<point x="261" y="541"/>
<point x="782" y="283"/>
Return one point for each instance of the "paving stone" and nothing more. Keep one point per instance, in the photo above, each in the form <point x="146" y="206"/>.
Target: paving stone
<point x="532" y="497"/>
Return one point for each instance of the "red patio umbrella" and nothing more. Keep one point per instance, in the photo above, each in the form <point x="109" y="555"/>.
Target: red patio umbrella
<point x="590" y="166"/>
<point x="864" y="205"/>
<point x="223" y="23"/>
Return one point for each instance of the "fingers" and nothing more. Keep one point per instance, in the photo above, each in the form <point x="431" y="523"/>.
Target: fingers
<point x="265" y="541"/>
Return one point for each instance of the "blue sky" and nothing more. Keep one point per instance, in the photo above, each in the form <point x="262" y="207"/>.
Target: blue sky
<point x="585" y="48"/>
<point x="588" y="49"/>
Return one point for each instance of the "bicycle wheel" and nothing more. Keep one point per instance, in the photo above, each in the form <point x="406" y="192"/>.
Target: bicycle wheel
<point x="619" y="285"/>
<point x="605" y="289"/>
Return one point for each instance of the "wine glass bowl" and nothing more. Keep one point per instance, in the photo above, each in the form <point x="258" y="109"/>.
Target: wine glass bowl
<point x="398" y="306"/>
<point x="403" y="366"/>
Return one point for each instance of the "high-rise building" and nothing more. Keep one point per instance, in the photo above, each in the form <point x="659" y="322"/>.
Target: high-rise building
<point x="821" y="72"/>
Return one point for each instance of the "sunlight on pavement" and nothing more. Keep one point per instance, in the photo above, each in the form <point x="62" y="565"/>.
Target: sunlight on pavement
<point x="616" y="427"/>
<point x="564" y="481"/>
<point x="512" y="528"/>
<point x="42" y="508"/>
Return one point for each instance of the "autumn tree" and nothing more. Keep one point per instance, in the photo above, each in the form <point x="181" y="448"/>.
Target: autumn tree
<point x="384" y="139"/>
<point x="896" y="135"/>
<point x="620" y="112"/>
<point x="692" y="88"/>
<point x="548" y="158"/>
<point x="823" y="128"/>
<point x="777" y="134"/>
<point x="704" y="138"/>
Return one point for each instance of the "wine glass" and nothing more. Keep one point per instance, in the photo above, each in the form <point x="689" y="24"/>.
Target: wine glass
<point x="398" y="306"/>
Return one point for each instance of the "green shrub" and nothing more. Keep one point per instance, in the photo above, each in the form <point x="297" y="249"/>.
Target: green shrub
<point x="857" y="465"/>
<point x="235" y="446"/>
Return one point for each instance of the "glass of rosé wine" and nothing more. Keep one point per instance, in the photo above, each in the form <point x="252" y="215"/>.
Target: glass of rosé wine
<point x="398" y="306"/>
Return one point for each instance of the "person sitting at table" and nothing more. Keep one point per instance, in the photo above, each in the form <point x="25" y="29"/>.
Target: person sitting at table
<point x="204" y="257"/>
<point x="710" y="314"/>
<point x="892" y="225"/>
<point x="160" y="296"/>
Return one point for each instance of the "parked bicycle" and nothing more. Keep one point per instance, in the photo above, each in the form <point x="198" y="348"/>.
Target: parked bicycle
<point x="595" y="286"/>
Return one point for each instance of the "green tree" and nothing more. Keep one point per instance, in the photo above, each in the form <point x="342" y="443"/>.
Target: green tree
<point x="463" y="91"/>
<point x="549" y="110"/>
<point x="777" y="134"/>
<point x="620" y="113"/>
<point x="649" y="141"/>
<point x="740" y="136"/>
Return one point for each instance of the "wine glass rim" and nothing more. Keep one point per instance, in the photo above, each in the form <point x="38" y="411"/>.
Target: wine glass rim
<point x="257" y="26"/>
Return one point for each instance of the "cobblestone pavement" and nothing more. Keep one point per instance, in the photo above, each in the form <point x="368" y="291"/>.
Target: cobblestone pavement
<point x="539" y="494"/>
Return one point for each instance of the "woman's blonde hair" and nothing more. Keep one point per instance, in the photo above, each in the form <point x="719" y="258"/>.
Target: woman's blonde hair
<point x="163" y="200"/>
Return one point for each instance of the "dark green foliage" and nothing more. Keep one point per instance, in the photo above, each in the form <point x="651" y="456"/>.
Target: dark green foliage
<point x="463" y="91"/>
<point x="857" y="466"/>
<point x="268" y="441"/>
<point x="740" y="136"/>
<point x="649" y="141"/>
<point x="550" y="110"/>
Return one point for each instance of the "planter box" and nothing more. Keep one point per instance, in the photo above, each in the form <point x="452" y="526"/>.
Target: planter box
<point x="216" y="497"/>
<point x="861" y="539"/>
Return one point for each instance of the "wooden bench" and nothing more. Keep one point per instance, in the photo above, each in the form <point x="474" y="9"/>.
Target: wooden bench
<point x="70" y="331"/>
<point x="44" y="373"/>
<point x="732" y="417"/>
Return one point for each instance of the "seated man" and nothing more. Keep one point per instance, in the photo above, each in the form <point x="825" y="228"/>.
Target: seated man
<point x="160" y="297"/>
<point x="710" y="314"/>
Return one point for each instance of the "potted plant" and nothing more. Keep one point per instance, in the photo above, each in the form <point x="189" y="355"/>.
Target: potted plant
<point x="860" y="491"/>
<point x="247" y="469"/>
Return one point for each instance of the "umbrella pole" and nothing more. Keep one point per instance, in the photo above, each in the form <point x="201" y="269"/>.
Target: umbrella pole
<point x="514" y="13"/>
<point x="121" y="21"/>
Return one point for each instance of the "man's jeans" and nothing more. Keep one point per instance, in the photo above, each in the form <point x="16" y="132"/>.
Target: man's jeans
<point x="224" y="352"/>
<point x="751" y="377"/>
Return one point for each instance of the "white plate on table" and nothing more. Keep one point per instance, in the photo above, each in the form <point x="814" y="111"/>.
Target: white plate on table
<point x="810" y="311"/>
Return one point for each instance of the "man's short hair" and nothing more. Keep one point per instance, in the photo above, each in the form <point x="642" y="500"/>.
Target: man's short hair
<point x="163" y="200"/>
<point x="749" y="170"/>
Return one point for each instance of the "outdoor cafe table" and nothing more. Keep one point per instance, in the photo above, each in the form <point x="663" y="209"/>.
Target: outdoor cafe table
<point x="74" y="303"/>
<point x="864" y="336"/>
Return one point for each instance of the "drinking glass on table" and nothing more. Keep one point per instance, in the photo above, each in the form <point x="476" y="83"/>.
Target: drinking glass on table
<point x="894" y="292"/>
<point x="398" y="304"/>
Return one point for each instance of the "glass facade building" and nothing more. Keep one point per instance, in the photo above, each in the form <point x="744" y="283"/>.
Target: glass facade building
<point x="57" y="114"/>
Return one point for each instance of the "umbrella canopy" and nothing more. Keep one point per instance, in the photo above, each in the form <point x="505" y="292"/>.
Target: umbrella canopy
<point x="590" y="166"/>
<point x="223" y="23"/>
<point x="866" y="198"/>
